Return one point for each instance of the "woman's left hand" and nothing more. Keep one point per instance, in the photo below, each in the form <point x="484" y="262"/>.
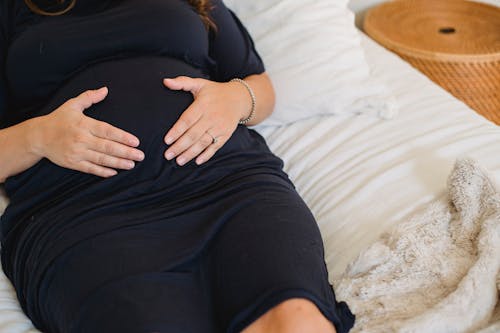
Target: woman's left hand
<point x="206" y="125"/>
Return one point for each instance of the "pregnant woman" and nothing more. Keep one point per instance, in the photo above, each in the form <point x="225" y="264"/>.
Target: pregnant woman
<point x="139" y="199"/>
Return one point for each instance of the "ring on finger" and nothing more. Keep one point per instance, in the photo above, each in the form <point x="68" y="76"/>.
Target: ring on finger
<point x="214" y="139"/>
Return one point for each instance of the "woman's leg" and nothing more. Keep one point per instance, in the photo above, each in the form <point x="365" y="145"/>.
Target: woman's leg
<point x="156" y="302"/>
<point x="295" y="315"/>
<point x="267" y="268"/>
<point x="114" y="283"/>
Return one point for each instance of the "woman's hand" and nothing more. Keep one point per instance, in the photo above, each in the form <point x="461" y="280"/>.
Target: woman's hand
<point x="72" y="140"/>
<point x="207" y="124"/>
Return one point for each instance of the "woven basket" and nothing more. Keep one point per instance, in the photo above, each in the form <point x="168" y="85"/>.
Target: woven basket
<point x="455" y="43"/>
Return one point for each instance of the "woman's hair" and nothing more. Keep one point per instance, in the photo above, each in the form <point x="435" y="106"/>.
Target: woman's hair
<point x="202" y="7"/>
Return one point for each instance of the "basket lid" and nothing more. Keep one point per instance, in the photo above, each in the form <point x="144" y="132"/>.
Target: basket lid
<point x="434" y="28"/>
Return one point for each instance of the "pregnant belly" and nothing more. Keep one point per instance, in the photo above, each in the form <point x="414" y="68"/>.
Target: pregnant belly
<point x="137" y="102"/>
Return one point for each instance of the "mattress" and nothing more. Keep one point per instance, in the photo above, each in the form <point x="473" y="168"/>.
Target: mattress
<point x="359" y="174"/>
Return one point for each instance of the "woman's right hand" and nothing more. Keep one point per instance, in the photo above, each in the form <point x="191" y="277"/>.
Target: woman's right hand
<point x="70" y="139"/>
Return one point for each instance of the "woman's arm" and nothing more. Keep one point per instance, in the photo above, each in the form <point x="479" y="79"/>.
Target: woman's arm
<point x="16" y="153"/>
<point x="215" y="113"/>
<point x="69" y="139"/>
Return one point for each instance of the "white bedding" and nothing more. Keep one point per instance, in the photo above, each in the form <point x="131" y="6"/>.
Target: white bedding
<point x="360" y="174"/>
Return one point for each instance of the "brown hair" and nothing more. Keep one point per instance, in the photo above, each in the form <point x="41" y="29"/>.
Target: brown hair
<point x="202" y="7"/>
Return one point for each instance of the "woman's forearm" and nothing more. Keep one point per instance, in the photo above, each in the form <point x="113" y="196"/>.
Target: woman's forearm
<point x="16" y="149"/>
<point x="264" y="96"/>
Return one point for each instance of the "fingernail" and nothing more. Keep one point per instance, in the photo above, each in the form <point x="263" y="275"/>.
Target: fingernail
<point x="130" y="164"/>
<point x="112" y="173"/>
<point x="169" y="140"/>
<point x="181" y="161"/>
<point x="200" y="161"/>
<point x="170" y="156"/>
<point x="139" y="156"/>
<point x="134" y="142"/>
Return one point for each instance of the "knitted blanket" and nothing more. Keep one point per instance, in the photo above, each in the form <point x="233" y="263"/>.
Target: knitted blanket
<point x="439" y="270"/>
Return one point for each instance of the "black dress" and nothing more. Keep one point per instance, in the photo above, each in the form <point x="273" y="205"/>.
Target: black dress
<point x="159" y="248"/>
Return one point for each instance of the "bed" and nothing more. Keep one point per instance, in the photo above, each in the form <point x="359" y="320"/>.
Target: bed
<point x="364" y="171"/>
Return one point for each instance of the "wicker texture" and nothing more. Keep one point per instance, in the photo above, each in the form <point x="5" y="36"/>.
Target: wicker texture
<point x="455" y="43"/>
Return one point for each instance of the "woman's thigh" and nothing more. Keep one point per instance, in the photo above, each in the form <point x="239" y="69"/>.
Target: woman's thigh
<point x="118" y="283"/>
<point x="270" y="251"/>
<point x="169" y="302"/>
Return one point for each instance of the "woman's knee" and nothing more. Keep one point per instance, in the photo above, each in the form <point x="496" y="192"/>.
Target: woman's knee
<point x="295" y="315"/>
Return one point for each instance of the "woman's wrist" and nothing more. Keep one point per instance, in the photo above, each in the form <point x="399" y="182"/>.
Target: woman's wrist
<point x="244" y="101"/>
<point x="35" y="136"/>
<point x="253" y="102"/>
<point x="241" y="102"/>
<point x="18" y="154"/>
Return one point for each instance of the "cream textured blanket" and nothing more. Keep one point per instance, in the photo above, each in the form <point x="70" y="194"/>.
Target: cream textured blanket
<point x="438" y="271"/>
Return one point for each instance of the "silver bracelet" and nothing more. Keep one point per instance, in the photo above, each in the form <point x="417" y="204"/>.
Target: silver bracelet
<point x="252" y="95"/>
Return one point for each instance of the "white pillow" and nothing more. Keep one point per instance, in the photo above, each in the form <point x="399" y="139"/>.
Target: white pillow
<point x="312" y="51"/>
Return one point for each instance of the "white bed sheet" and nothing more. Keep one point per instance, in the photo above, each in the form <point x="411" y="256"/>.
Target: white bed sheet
<point x="360" y="174"/>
